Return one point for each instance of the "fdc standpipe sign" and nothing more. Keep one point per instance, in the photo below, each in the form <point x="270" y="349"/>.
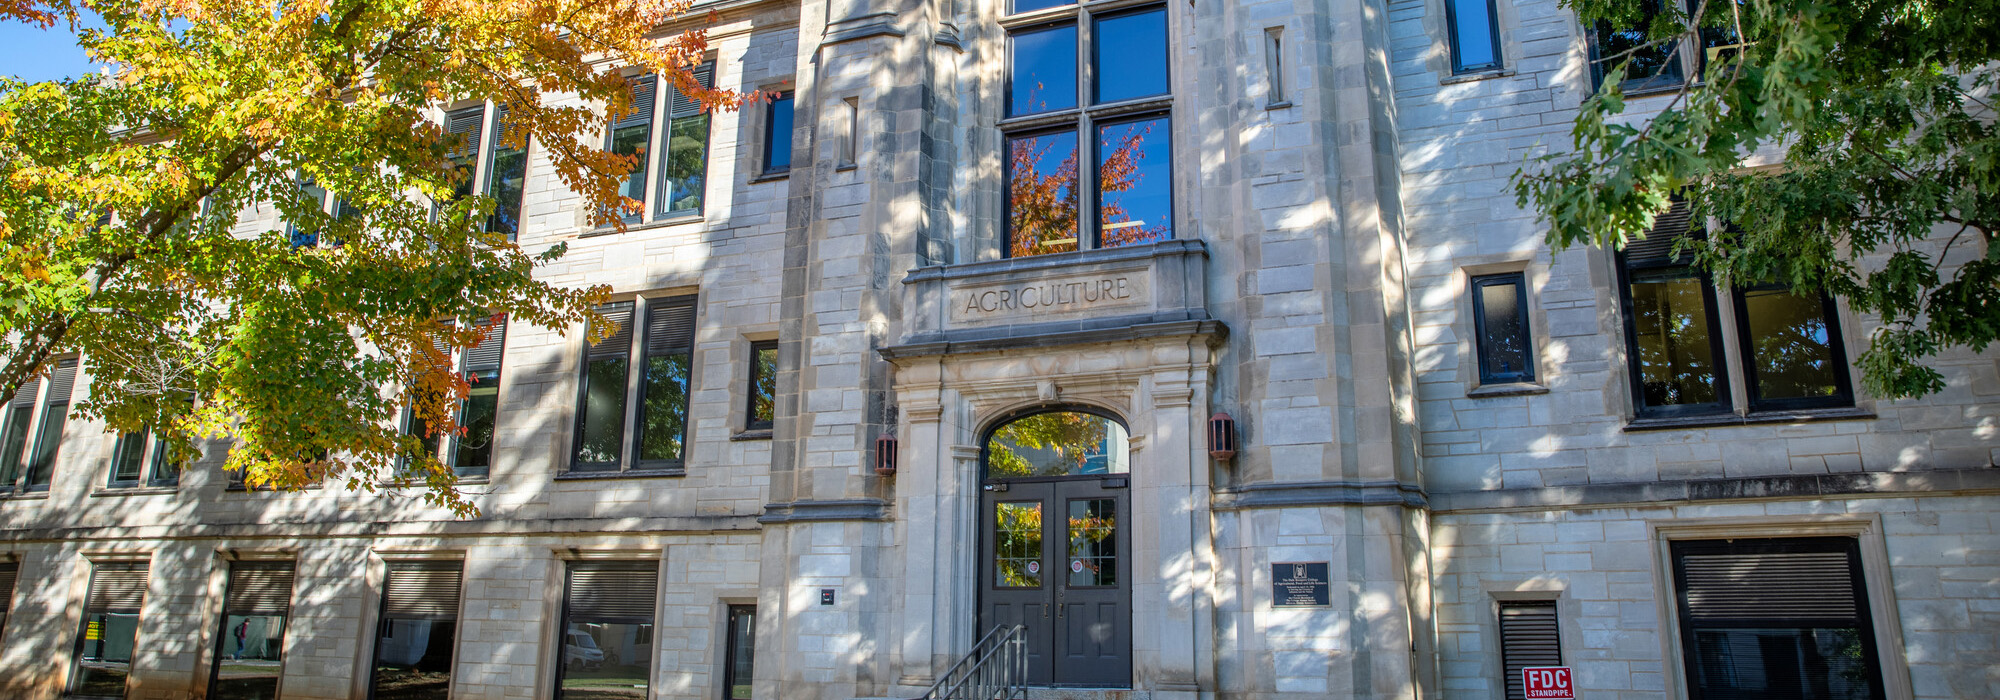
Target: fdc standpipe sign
<point x="1547" y="683"/>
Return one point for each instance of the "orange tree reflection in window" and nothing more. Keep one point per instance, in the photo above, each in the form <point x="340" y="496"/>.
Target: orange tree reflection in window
<point x="1042" y="197"/>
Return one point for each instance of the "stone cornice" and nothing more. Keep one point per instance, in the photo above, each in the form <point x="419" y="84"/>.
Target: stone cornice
<point x="420" y="528"/>
<point x="849" y="510"/>
<point x="1666" y="493"/>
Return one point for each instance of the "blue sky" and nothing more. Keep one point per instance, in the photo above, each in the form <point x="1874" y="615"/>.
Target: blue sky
<point x="35" y="54"/>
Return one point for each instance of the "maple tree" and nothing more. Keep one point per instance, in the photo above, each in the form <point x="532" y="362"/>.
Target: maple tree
<point x="120" y="242"/>
<point x="1887" y="195"/>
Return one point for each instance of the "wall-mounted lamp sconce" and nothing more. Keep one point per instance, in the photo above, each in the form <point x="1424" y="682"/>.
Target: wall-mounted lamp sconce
<point x="885" y="454"/>
<point x="1221" y="437"/>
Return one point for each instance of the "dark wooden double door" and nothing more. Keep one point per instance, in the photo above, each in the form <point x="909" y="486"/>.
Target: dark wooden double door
<point x="1055" y="558"/>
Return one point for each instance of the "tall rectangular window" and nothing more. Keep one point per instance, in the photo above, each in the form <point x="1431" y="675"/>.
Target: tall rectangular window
<point x="607" y="629"/>
<point x="417" y="636"/>
<point x="684" y="176"/>
<point x="632" y="135"/>
<point x="1793" y="356"/>
<point x="651" y="405"/>
<point x="1775" y="618"/>
<point x="1529" y="638"/>
<point x="740" y="668"/>
<point x="49" y="431"/>
<point x="762" y="392"/>
<point x="1647" y="68"/>
<point x="1672" y="338"/>
<point x="16" y="424"/>
<point x="250" y="648"/>
<point x="1475" y="35"/>
<point x="104" y="646"/>
<point x="1500" y="329"/>
<point x="1125" y="125"/>
<point x="778" y="135"/>
<point x="470" y="455"/>
<point x="10" y="573"/>
<point x="488" y="162"/>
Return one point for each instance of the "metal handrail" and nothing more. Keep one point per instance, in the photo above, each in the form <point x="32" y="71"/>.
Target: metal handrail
<point x="995" y="669"/>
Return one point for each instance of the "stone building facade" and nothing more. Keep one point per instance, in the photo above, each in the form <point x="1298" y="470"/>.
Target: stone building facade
<point x="1314" y="214"/>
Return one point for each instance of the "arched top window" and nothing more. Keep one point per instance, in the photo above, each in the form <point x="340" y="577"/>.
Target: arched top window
<point x="1063" y="442"/>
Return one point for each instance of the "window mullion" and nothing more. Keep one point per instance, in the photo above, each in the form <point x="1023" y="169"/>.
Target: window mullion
<point x="656" y="143"/>
<point x="635" y="364"/>
<point x="1086" y="142"/>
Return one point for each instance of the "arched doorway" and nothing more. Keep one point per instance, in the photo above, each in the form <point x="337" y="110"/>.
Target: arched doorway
<point x="1055" y="543"/>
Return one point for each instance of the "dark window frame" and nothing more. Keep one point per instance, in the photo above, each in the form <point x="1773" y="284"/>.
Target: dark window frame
<point x="451" y="445"/>
<point x="750" y="419"/>
<point x="773" y="139"/>
<point x="1843" y="395"/>
<point x="150" y="462"/>
<point x="567" y="618"/>
<point x="42" y="452"/>
<point x="485" y="151"/>
<point x="629" y="462"/>
<point x="384" y="628"/>
<point x="1086" y="118"/>
<point x="1530" y="357"/>
<point x="1857" y="582"/>
<point x="1658" y="82"/>
<point x="1723" y="401"/>
<point x="75" y="676"/>
<point x="992" y="428"/>
<point x="733" y="631"/>
<point x="1458" y="66"/>
<point x="223" y="636"/>
<point x="664" y="136"/>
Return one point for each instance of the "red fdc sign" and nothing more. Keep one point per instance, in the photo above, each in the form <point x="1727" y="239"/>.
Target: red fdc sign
<point x="1547" y="683"/>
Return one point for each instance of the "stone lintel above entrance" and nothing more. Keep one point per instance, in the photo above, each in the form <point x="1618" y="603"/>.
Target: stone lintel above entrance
<point x="1108" y="294"/>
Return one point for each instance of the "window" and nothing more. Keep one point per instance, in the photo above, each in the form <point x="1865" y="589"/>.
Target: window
<point x="1123" y="122"/>
<point x="140" y="459"/>
<point x="739" y="670"/>
<point x="649" y="405"/>
<point x="778" y="135"/>
<point x="1658" y="67"/>
<point x="763" y="388"/>
<point x="488" y="164"/>
<point x="1792" y="353"/>
<point x="313" y="196"/>
<point x="607" y="628"/>
<point x="10" y="573"/>
<point x="1500" y="329"/>
<point x="470" y="455"/>
<point x="1670" y="324"/>
<point x="1775" y="618"/>
<point x="673" y="161"/>
<point x="418" y="632"/>
<point x="250" y="648"/>
<point x="29" y="464"/>
<point x="1274" y="65"/>
<point x="110" y="628"/>
<point x="1528" y="638"/>
<point x="1057" y="443"/>
<point x="1788" y="343"/>
<point x="1475" y="35"/>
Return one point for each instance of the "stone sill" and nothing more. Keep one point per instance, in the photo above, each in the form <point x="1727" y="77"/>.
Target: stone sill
<point x="481" y="481"/>
<point x="29" y="496"/>
<point x="1477" y="76"/>
<point x="773" y="176"/>
<point x="1723" y="420"/>
<point x="117" y="491"/>
<point x="629" y="474"/>
<point x="1510" y="389"/>
<point x="680" y="220"/>
<point x="758" y="434"/>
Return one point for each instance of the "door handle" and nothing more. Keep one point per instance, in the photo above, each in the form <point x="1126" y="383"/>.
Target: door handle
<point x="1059" y="603"/>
